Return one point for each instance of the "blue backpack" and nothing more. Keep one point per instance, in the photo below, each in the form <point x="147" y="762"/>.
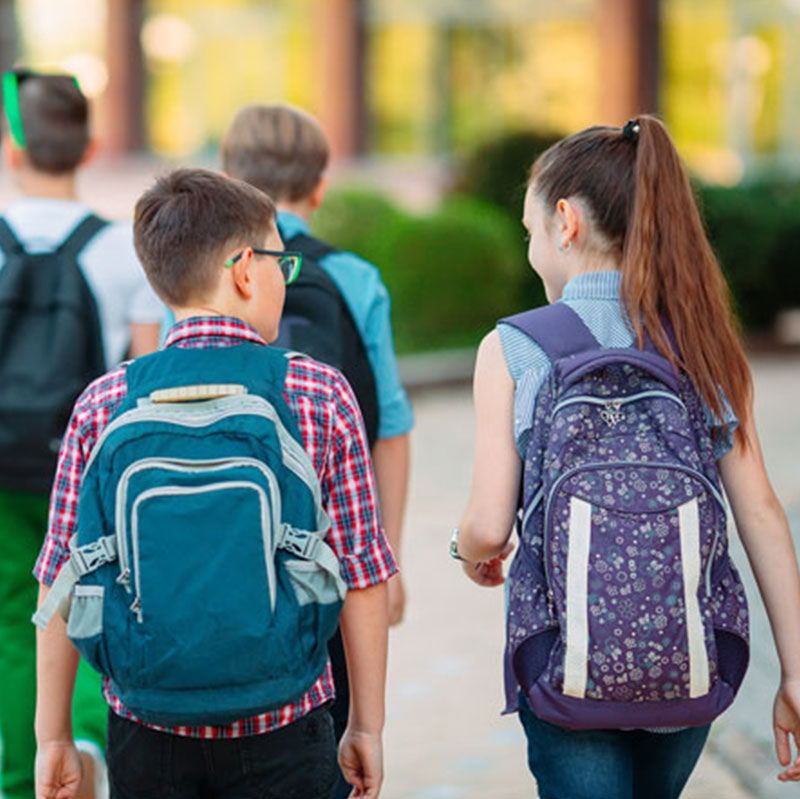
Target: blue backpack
<point x="624" y="608"/>
<point x="203" y="586"/>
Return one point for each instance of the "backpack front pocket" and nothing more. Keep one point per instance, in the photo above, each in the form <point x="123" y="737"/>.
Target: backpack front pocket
<point x="630" y="585"/>
<point x="200" y="568"/>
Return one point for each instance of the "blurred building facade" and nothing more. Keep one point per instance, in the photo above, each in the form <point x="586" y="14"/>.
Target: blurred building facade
<point x="428" y="78"/>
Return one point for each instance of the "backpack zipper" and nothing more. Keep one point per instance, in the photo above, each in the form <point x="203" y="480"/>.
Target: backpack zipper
<point x="185" y="466"/>
<point x="296" y="456"/>
<point x="616" y="401"/>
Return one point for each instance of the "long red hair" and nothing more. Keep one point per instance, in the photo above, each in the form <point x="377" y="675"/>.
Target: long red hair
<point x="640" y="199"/>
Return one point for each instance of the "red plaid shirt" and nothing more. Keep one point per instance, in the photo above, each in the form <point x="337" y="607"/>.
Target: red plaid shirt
<point x="330" y="423"/>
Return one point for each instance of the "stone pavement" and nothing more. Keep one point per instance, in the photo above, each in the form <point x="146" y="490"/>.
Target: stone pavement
<point x="444" y="737"/>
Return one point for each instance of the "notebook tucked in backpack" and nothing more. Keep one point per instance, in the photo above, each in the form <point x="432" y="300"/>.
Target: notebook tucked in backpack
<point x="50" y="348"/>
<point x="200" y="579"/>
<point x="624" y="608"/>
<point x="317" y="321"/>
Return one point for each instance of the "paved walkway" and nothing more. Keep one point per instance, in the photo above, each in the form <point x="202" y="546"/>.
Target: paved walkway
<point x="445" y="738"/>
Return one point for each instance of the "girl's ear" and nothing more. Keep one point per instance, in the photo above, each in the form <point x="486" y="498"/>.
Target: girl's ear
<point x="242" y="275"/>
<point x="569" y="217"/>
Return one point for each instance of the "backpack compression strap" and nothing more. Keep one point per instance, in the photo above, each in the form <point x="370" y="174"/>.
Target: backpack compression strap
<point x="557" y="329"/>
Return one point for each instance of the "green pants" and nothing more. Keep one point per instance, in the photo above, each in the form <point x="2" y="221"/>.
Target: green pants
<point x="23" y="522"/>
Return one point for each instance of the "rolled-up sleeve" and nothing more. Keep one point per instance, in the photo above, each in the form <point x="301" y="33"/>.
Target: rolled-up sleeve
<point x="356" y="534"/>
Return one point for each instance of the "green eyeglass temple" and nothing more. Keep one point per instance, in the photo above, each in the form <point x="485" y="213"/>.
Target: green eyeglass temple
<point x="288" y="261"/>
<point x="11" y="107"/>
<point x="11" y="82"/>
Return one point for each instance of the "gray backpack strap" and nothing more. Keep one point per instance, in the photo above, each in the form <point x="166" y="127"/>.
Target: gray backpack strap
<point x="82" y="560"/>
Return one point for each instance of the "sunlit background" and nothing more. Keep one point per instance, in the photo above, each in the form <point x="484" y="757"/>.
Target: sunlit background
<point x="437" y="106"/>
<point x="431" y="77"/>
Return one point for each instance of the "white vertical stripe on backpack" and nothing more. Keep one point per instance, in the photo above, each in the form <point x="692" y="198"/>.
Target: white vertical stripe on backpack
<point x="689" y="522"/>
<point x="577" y="651"/>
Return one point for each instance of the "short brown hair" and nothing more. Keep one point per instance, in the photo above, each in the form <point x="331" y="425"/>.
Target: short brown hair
<point x="277" y="148"/>
<point x="55" y="120"/>
<point x="185" y="222"/>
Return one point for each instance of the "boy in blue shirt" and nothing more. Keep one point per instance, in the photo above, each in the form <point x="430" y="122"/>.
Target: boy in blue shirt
<point x="283" y="151"/>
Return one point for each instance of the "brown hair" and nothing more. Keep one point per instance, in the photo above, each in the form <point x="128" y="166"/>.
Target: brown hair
<point x="186" y="221"/>
<point x="55" y="119"/>
<point x="277" y="148"/>
<point x="639" y="196"/>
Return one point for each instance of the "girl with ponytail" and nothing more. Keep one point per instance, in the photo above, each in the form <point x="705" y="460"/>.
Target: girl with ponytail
<point x="637" y="300"/>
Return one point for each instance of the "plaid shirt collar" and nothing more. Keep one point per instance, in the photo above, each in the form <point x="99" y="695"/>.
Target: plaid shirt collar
<point x="200" y="330"/>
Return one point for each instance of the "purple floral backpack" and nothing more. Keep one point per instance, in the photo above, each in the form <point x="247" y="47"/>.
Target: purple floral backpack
<point x="624" y="608"/>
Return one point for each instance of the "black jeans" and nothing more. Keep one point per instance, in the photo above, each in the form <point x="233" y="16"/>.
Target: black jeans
<point x="295" y="762"/>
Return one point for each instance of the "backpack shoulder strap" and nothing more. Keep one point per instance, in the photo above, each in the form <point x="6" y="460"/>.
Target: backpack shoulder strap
<point x="81" y="235"/>
<point x="556" y="328"/>
<point x="9" y="243"/>
<point x="311" y="247"/>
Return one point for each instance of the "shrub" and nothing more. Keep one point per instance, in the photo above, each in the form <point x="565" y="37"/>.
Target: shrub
<point x="755" y="232"/>
<point x="497" y="171"/>
<point x="453" y="274"/>
<point x="361" y="220"/>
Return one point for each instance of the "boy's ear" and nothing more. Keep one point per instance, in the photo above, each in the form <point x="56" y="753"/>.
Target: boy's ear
<point x="13" y="157"/>
<point x="92" y="149"/>
<point x="318" y="194"/>
<point x="242" y="275"/>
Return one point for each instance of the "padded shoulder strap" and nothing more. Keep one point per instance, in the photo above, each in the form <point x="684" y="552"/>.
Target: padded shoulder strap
<point x="556" y="328"/>
<point x="81" y="235"/>
<point x="309" y="246"/>
<point x="9" y="243"/>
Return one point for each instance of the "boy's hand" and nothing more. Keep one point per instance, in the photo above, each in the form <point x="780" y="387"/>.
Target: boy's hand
<point x="361" y="759"/>
<point x="786" y="722"/>
<point x="58" y="770"/>
<point x="397" y="599"/>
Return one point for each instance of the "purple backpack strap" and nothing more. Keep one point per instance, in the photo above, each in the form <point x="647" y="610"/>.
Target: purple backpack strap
<point x="556" y="328"/>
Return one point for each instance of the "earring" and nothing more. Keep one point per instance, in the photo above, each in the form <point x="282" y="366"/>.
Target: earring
<point x="562" y="247"/>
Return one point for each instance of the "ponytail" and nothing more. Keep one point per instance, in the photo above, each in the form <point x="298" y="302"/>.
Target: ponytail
<point x="673" y="289"/>
<point x="671" y="279"/>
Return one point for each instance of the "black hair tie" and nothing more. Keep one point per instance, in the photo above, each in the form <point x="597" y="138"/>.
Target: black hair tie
<point x="631" y="130"/>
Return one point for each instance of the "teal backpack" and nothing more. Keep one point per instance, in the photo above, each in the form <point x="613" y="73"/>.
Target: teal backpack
<point x="199" y="579"/>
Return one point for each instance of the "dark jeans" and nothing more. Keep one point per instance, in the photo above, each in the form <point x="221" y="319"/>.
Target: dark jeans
<point x="294" y="762"/>
<point x="599" y="764"/>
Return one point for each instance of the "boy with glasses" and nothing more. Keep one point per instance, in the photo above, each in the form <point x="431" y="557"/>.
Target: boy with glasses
<point x="73" y="301"/>
<point x="212" y="252"/>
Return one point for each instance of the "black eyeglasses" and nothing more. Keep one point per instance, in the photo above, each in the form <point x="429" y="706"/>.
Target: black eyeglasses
<point x="288" y="261"/>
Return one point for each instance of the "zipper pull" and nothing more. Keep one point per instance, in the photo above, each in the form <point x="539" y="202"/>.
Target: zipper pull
<point x="125" y="579"/>
<point x="136" y="607"/>
<point x="551" y="606"/>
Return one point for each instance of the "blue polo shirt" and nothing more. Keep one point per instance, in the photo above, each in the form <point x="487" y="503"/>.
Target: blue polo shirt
<point x="368" y="300"/>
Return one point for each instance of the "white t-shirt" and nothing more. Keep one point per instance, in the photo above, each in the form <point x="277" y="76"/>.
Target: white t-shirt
<point x="108" y="261"/>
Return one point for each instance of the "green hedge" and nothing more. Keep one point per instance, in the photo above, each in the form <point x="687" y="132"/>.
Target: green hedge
<point x="497" y="171"/>
<point x="451" y="273"/>
<point x="755" y="232"/>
